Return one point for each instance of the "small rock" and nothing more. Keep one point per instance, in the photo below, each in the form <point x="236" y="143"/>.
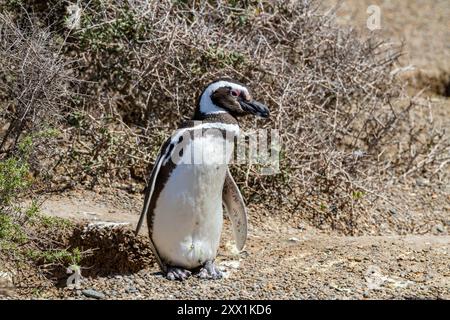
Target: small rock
<point x="6" y="283"/>
<point x="294" y="239"/>
<point x="131" y="290"/>
<point x="393" y="212"/>
<point x="439" y="228"/>
<point x="422" y="182"/>
<point x="93" y="294"/>
<point x="6" y="278"/>
<point x="231" y="264"/>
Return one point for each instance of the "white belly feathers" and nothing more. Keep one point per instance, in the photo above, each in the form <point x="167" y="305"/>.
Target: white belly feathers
<point x="188" y="213"/>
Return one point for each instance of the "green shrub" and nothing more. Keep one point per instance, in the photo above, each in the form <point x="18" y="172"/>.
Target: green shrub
<point x="14" y="179"/>
<point x="56" y="256"/>
<point x="11" y="233"/>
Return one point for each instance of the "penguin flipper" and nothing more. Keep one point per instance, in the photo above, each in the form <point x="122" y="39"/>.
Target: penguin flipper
<point x="235" y="207"/>
<point x="164" y="154"/>
<point x="148" y="198"/>
<point x="149" y="192"/>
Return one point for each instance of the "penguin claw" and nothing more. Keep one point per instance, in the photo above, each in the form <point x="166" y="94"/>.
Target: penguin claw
<point x="209" y="271"/>
<point x="177" y="274"/>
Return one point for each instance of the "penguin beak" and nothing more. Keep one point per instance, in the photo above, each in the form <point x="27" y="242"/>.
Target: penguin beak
<point x="255" y="107"/>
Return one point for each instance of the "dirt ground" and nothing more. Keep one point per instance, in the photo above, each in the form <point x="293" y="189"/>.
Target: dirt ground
<point x="287" y="260"/>
<point x="279" y="262"/>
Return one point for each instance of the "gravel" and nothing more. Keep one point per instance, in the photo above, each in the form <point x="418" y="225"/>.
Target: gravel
<point x="318" y="266"/>
<point x="90" y="293"/>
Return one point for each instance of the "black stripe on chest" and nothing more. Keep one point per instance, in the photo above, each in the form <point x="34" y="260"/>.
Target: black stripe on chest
<point x="168" y="165"/>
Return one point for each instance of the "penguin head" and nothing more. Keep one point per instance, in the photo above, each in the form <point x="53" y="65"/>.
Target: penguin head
<point x="229" y="96"/>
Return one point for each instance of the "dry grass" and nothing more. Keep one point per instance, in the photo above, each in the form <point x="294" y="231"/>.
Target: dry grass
<point x="346" y="124"/>
<point x="34" y="90"/>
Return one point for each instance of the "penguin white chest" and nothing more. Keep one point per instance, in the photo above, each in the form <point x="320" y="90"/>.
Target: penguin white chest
<point x="187" y="220"/>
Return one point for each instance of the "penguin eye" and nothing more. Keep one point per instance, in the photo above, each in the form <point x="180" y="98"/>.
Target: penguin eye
<point x="235" y="93"/>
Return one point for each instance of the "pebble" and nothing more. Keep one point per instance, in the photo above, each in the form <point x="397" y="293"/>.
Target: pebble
<point x="422" y="182"/>
<point x="231" y="264"/>
<point x="131" y="290"/>
<point x="440" y="228"/>
<point x="6" y="279"/>
<point x="93" y="294"/>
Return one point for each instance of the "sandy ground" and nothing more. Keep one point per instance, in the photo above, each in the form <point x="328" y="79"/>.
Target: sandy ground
<point x="279" y="262"/>
<point x="423" y="26"/>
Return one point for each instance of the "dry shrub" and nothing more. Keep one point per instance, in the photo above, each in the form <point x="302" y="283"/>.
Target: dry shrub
<point x="344" y="120"/>
<point x="104" y="151"/>
<point x="34" y="90"/>
<point x="34" y="81"/>
<point x="115" y="250"/>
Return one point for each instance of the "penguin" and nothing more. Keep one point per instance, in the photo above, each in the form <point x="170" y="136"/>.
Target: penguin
<point x="191" y="180"/>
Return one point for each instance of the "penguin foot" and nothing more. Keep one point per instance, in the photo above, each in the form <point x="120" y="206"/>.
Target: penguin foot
<point x="209" y="271"/>
<point x="174" y="273"/>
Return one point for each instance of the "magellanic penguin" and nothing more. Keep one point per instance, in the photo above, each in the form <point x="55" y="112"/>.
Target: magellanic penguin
<point x="190" y="180"/>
